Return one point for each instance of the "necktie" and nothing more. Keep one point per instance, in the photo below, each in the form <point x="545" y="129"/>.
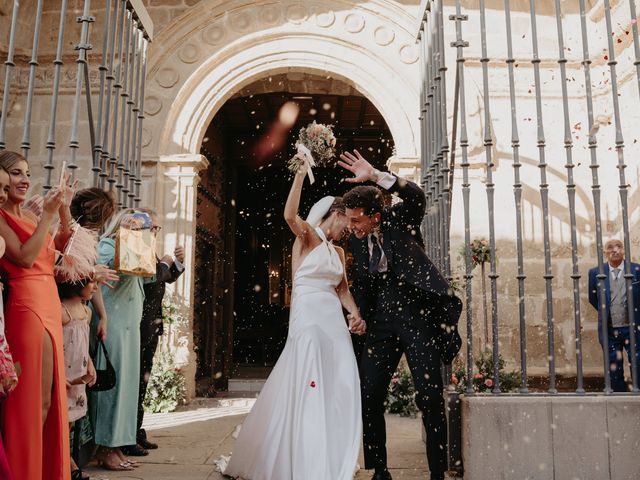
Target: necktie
<point x="376" y="255"/>
<point x="616" y="274"/>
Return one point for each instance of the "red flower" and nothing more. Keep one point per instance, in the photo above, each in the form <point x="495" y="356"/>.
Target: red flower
<point x="488" y="382"/>
<point x="478" y="376"/>
<point x="454" y="379"/>
<point x="312" y="384"/>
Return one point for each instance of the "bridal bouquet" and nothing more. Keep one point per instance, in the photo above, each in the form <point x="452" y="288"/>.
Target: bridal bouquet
<point x="316" y="146"/>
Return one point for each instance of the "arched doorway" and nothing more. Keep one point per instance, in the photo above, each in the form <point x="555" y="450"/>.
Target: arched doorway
<point x="213" y="52"/>
<point x="243" y="276"/>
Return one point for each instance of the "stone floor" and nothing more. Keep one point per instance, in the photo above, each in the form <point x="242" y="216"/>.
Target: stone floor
<point x="192" y="439"/>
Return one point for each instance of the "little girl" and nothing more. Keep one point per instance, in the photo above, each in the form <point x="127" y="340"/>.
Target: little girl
<point x="79" y="368"/>
<point x="8" y="375"/>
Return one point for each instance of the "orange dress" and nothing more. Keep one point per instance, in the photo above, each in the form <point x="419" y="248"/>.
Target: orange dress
<point x="33" y="310"/>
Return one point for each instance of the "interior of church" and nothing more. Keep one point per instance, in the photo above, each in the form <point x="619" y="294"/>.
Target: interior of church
<point x="243" y="279"/>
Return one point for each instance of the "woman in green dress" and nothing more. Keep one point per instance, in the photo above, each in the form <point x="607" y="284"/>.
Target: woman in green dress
<point x="114" y="412"/>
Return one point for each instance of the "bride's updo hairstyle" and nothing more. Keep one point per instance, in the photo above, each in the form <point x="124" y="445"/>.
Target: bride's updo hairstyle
<point x="336" y="206"/>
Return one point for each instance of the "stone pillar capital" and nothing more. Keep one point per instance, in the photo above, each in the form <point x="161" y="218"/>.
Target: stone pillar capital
<point x="183" y="164"/>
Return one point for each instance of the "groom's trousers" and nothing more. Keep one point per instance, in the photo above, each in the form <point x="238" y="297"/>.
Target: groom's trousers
<point x="390" y="334"/>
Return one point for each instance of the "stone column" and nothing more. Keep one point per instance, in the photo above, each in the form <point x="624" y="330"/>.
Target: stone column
<point x="176" y="193"/>
<point x="405" y="167"/>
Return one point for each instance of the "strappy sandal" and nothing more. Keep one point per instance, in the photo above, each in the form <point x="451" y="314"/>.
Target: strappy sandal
<point x="110" y="460"/>
<point x="125" y="460"/>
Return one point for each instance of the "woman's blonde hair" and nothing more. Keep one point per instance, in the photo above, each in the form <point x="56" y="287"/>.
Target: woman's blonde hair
<point x="8" y="159"/>
<point x="114" y="225"/>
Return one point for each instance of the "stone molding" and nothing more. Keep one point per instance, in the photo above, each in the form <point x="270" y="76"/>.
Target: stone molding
<point x="216" y="48"/>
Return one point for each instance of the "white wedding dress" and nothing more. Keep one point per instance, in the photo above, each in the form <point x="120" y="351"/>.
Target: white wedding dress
<point x="306" y="423"/>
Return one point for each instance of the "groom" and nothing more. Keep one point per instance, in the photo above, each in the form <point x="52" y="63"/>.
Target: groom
<point x="408" y="306"/>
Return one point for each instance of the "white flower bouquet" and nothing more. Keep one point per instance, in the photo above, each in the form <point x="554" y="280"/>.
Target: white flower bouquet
<point x="316" y="146"/>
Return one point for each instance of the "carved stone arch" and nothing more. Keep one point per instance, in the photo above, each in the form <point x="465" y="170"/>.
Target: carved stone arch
<point x="220" y="78"/>
<point x="214" y="50"/>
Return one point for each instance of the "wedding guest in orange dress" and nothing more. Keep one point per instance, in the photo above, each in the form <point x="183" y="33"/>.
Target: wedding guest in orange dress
<point x="8" y="375"/>
<point x="36" y="431"/>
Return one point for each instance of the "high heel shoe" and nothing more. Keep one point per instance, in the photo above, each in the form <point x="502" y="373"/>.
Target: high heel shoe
<point x="124" y="459"/>
<point x="110" y="460"/>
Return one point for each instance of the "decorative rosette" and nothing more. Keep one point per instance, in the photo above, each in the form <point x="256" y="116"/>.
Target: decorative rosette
<point x="316" y="146"/>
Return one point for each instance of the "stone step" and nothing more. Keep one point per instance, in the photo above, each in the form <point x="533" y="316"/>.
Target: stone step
<point x="246" y="384"/>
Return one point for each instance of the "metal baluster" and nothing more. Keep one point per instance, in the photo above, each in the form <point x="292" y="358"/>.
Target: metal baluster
<point x="444" y="148"/>
<point x="104" y="154"/>
<point x="8" y="69"/>
<point x="595" y="191"/>
<point x="623" y="189"/>
<point x="429" y="140"/>
<point x="544" y="197"/>
<point x="130" y="104"/>
<point x="490" y="187"/>
<point x="571" y="193"/>
<point x="51" y="137"/>
<point x="636" y="41"/>
<point x="140" y="120"/>
<point x="464" y="144"/>
<point x="636" y="45"/>
<point x="136" y="110"/>
<point x="435" y="181"/>
<point x="117" y="86"/>
<point x="100" y="139"/>
<point x="124" y="94"/>
<point x="82" y="48"/>
<point x="517" y="193"/>
<point x="423" y="104"/>
<point x="33" y="64"/>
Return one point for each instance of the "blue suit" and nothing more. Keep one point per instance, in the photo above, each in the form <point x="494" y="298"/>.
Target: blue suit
<point x="619" y="337"/>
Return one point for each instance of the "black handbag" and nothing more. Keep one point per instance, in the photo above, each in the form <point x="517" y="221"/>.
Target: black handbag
<point x="106" y="379"/>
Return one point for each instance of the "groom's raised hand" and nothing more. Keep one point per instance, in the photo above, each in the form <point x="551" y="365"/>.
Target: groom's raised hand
<point x="356" y="164"/>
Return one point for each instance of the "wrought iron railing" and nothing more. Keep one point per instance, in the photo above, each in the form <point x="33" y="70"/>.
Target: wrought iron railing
<point x="115" y="133"/>
<point x="441" y="124"/>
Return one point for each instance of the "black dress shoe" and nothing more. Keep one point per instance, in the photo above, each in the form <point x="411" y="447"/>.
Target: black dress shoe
<point x="146" y="444"/>
<point x="382" y="475"/>
<point x="134" y="451"/>
<point x="437" y="476"/>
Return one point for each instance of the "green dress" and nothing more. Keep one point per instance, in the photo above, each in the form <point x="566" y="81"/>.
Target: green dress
<point x="114" y="412"/>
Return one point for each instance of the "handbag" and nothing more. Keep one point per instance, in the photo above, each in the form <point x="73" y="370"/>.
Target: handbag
<point x="105" y="379"/>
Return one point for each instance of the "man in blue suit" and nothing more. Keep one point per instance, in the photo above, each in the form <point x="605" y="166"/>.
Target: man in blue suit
<point x="615" y="310"/>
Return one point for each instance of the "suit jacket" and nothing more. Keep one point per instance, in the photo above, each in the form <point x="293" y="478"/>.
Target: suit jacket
<point x="403" y="246"/>
<point x="153" y="295"/>
<point x="593" y="294"/>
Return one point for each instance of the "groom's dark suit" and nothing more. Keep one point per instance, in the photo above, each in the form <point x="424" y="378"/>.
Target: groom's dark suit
<point x="405" y="309"/>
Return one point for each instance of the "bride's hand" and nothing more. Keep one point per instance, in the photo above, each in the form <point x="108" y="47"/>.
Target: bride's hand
<point x="356" y="324"/>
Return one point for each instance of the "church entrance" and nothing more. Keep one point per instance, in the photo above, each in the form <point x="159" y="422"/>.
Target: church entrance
<point x="243" y="246"/>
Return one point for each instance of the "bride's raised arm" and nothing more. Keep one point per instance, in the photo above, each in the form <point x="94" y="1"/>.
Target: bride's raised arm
<point x="298" y="226"/>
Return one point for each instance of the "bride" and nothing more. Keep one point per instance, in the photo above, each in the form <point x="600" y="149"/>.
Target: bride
<point x="306" y="423"/>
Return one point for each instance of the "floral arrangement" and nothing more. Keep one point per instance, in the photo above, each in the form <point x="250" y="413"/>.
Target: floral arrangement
<point x="480" y="252"/>
<point x="483" y="378"/>
<point x="166" y="389"/>
<point x="401" y="394"/>
<point x="170" y="313"/>
<point x="316" y="145"/>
